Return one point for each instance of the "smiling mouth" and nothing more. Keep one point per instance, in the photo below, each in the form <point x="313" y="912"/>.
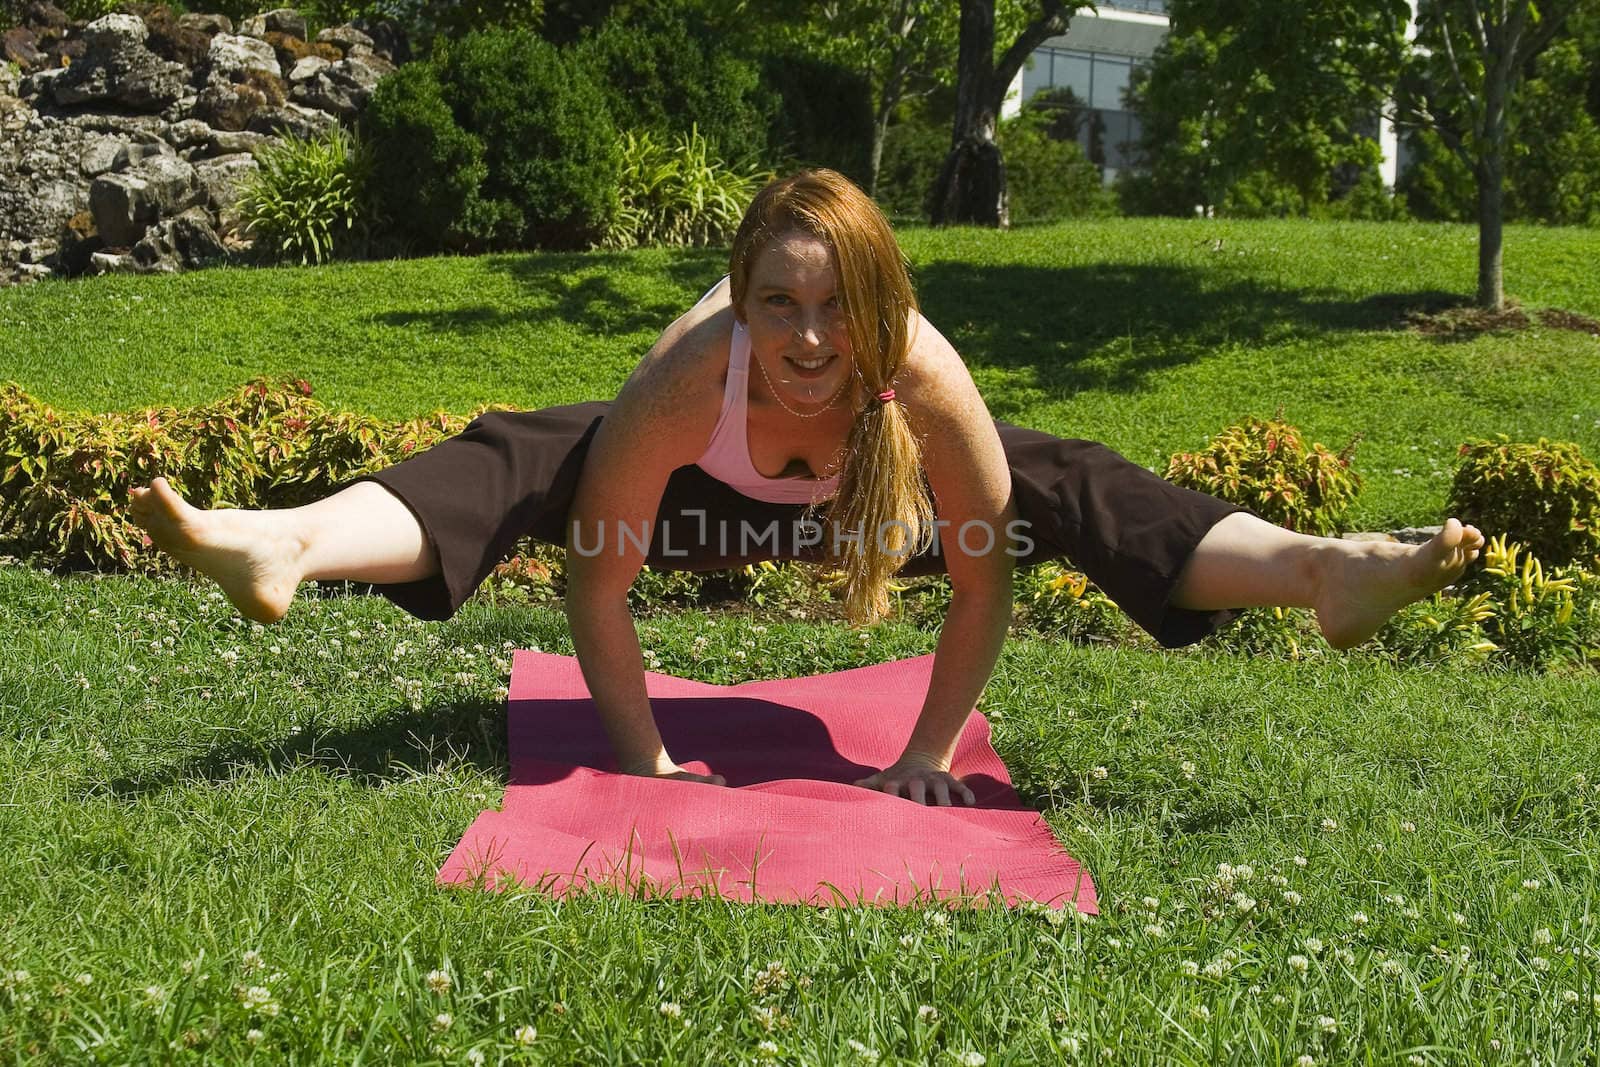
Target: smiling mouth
<point x="810" y="364"/>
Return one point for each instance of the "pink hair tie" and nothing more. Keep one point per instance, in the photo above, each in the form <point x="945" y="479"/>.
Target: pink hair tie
<point x="886" y="396"/>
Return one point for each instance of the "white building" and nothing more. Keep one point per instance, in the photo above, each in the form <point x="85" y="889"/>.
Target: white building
<point x="1096" y="58"/>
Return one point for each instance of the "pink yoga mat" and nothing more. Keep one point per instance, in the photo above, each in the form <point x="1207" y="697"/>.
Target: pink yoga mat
<point x="788" y="828"/>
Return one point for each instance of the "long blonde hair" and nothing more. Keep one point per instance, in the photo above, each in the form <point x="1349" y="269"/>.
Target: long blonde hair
<point x="881" y="495"/>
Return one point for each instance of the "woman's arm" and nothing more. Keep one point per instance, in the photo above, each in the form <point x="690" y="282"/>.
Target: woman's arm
<point x="660" y="421"/>
<point x="971" y="482"/>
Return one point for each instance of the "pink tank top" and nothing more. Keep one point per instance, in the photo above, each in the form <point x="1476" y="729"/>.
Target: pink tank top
<point x="727" y="456"/>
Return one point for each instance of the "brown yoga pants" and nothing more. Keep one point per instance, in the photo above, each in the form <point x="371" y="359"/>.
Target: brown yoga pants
<point x="511" y="474"/>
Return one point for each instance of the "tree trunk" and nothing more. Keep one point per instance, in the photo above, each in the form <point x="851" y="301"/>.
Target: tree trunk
<point x="880" y="130"/>
<point x="972" y="183"/>
<point x="1491" y="180"/>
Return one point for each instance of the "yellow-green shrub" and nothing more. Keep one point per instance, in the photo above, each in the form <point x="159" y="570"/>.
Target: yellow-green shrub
<point x="1545" y="495"/>
<point x="1264" y="465"/>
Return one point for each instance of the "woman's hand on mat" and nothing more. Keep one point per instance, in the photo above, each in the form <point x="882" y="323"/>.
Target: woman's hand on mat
<point x="665" y="768"/>
<point x="922" y="779"/>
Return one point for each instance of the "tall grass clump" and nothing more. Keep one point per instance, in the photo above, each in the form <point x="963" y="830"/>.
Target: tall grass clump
<point x="306" y="196"/>
<point x="677" y="194"/>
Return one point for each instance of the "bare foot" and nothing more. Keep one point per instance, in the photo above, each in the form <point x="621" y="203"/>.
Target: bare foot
<point x="1363" y="584"/>
<point x="247" y="553"/>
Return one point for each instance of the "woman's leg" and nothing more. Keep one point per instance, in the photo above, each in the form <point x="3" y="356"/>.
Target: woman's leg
<point x="1353" y="586"/>
<point x="362" y="533"/>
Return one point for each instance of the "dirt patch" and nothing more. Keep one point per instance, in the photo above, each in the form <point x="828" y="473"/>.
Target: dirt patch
<point x="1557" y="319"/>
<point x="1466" y="322"/>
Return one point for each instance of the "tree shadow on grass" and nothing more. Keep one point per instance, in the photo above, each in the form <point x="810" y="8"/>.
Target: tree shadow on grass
<point x="393" y="747"/>
<point x="580" y="290"/>
<point x="1109" y="327"/>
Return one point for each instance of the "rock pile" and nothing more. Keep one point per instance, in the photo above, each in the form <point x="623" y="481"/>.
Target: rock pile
<point x="124" y="142"/>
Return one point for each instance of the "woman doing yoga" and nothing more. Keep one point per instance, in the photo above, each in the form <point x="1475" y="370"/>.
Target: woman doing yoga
<point x="802" y="409"/>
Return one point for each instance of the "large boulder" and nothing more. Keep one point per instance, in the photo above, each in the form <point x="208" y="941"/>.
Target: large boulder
<point x="232" y="106"/>
<point x="233" y="57"/>
<point x="20" y="45"/>
<point x="223" y="180"/>
<point x="292" y="120"/>
<point x="343" y="88"/>
<point x="280" y="20"/>
<point x="118" y="70"/>
<point x="127" y="203"/>
<point x="41" y="188"/>
<point x="178" y="243"/>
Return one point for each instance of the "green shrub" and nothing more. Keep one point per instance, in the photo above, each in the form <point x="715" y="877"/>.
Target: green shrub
<point x="678" y="195"/>
<point x="662" y="74"/>
<point x="913" y="152"/>
<point x="549" y="145"/>
<point x="824" y="118"/>
<point x="1441" y="629"/>
<point x="426" y="170"/>
<point x="1264" y="465"/>
<point x="306" y="195"/>
<point x="1049" y="178"/>
<point x="1546" y="495"/>
<point x="1059" y="602"/>
<point x="1540" y="620"/>
<point x="64" y="487"/>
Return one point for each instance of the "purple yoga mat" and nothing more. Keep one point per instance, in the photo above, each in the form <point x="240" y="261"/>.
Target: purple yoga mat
<point x="789" y="827"/>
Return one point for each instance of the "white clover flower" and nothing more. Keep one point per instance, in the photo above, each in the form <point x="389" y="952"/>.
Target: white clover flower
<point x="230" y="656"/>
<point x="1300" y="861"/>
<point x="1201" y="1012"/>
<point x="1411" y="914"/>
<point x="768" y="1049"/>
<point x="1392" y="968"/>
<point x="927" y="1013"/>
<point x="1216" y="968"/>
<point x="439" y="982"/>
<point x="1345" y="956"/>
<point x="1532" y="883"/>
<point x="1188" y="769"/>
<point x="1408" y="827"/>
<point x="1071" y="1044"/>
<point x="1416" y="1060"/>
<point x="475" y="1057"/>
<point x="938" y="919"/>
<point x="1151" y="903"/>
<point x="1569" y="996"/>
<point x="1306" y="1060"/>
<point x="1189" y="967"/>
<point x="255" y="996"/>
<point x="1458" y="918"/>
<point x="443" y="1021"/>
<point x="1279" y="999"/>
<point x="1313" y="944"/>
<point x="1394" y="899"/>
<point x="85" y="979"/>
<point x="1541" y="936"/>
<point x="1155" y="930"/>
<point x="969" y="1058"/>
<point x="1100" y="774"/>
<point x="670" y="1009"/>
<point x="1330" y="826"/>
<point x="863" y="1053"/>
<point x="1244" y="872"/>
<point x="908" y="940"/>
<point x="526" y="1035"/>
<point x="1291" y="898"/>
<point x="250" y="962"/>
<point x="1327" y="1024"/>
<point x="1359" y="919"/>
<point x="1540" y="964"/>
<point x="255" y="1037"/>
<point x="1242" y="903"/>
<point x="1299" y="964"/>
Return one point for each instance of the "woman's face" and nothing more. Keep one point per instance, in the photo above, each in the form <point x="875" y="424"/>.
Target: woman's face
<point x="797" y="327"/>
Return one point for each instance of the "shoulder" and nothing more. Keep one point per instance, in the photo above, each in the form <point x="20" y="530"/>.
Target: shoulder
<point x="935" y="385"/>
<point x="674" y="395"/>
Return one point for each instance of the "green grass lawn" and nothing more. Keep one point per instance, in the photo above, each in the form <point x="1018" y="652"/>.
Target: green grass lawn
<point x="222" y="839"/>
<point x="183" y="790"/>
<point x="1149" y="335"/>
